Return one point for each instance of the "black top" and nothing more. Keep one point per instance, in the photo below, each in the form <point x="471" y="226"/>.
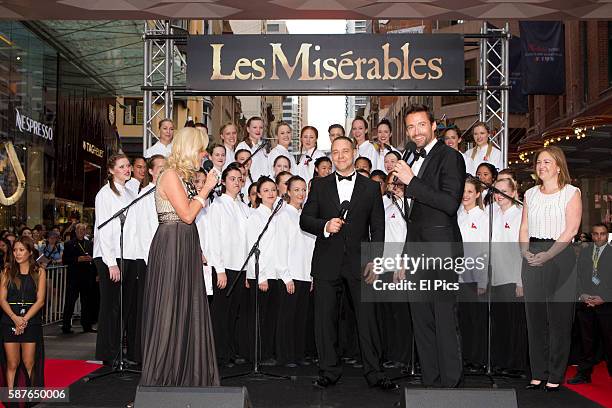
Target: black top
<point x="604" y="273"/>
<point x="26" y="294"/>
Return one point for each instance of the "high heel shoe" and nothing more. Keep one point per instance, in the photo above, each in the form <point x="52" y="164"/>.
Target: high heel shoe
<point x="552" y="389"/>
<point x="532" y="386"/>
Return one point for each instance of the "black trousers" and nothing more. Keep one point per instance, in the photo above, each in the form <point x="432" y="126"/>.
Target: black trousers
<point x="438" y="342"/>
<point x="268" y="318"/>
<point x="224" y="313"/>
<point x="549" y="290"/>
<point x="133" y="321"/>
<point x="595" y="325"/>
<point x="509" y="328"/>
<point x="473" y="316"/>
<point x="109" y="336"/>
<point x="81" y="282"/>
<point x="347" y="328"/>
<point x="292" y="320"/>
<point x="327" y="294"/>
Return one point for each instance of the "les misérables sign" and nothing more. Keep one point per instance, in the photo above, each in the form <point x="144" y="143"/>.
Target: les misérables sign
<point x="326" y="64"/>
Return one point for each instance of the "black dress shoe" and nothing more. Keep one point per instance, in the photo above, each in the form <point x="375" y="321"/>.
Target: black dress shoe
<point x="386" y="384"/>
<point x="579" y="379"/>
<point x="532" y="386"/>
<point x="552" y="389"/>
<point x="323" y="382"/>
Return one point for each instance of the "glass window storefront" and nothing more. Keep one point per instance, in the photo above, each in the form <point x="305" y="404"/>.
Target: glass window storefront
<point x="28" y="108"/>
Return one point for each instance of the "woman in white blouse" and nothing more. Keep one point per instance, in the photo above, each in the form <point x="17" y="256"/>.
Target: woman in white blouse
<point x="474" y="225"/>
<point x="229" y="136"/>
<point x="383" y="144"/>
<point x="283" y="141"/>
<point x="484" y="151"/>
<point x="365" y="148"/>
<point x="226" y="251"/>
<point x="308" y="153"/>
<point x="253" y="143"/>
<point x="267" y="285"/>
<point x="551" y="217"/>
<point x="509" y="330"/>
<point x="295" y="249"/>
<point x="107" y="253"/>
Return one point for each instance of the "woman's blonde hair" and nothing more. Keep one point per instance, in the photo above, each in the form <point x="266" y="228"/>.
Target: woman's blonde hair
<point x="187" y="145"/>
<point x="559" y="157"/>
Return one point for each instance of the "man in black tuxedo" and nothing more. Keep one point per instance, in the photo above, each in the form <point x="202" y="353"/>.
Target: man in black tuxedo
<point x="337" y="262"/>
<point x="594" y="312"/>
<point x="434" y="189"/>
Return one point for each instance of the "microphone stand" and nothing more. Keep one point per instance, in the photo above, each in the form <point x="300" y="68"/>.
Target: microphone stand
<point x="119" y="365"/>
<point x="489" y="371"/>
<point x="256" y="373"/>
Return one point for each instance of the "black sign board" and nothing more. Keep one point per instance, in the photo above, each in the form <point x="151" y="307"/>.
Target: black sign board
<point x="326" y="64"/>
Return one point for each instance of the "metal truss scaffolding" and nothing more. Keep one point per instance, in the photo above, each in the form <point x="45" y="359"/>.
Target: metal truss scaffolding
<point x="494" y="81"/>
<point x="159" y="53"/>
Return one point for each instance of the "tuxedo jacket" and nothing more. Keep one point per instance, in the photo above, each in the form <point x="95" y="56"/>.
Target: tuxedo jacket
<point x="604" y="272"/>
<point x="365" y="222"/>
<point x="436" y="194"/>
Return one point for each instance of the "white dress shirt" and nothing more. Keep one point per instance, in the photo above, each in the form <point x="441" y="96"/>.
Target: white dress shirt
<point x="305" y="168"/>
<point x="295" y="247"/>
<point x="159" y="148"/>
<point x="280" y="150"/>
<point x="367" y="149"/>
<point x="395" y="227"/>
<point x="140" y="226"/>
<point x="345" y="192"/>
<point x="106" y="240"/>
<point x="495" y="158"/>
<point x="259" y="162"/>
<point x="226" y="223"/>
<point x="268" y="244"/>
<point x="416" y="166"/>
<point x="474" y="226"/>
<point x="229" y="156"/>
<point x="505" y="250"/>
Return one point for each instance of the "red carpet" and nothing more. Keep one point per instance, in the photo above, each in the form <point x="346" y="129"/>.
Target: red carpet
<point x="599" y="390"/>
<point x="62" y="373"/>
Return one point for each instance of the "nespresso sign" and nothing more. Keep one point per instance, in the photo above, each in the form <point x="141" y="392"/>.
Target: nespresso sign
<point x="28" y="125"/>
<point x="337" y="64"/>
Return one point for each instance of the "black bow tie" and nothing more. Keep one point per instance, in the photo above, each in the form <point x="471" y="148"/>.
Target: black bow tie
<point x="341" y="177"/>
<point x="421" y="153"/>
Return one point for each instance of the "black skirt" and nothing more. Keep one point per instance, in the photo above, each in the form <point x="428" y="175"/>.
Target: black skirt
<point x="32" y="334"/>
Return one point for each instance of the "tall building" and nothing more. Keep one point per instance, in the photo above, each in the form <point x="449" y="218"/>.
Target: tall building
<point x="274" y="103"/>
<point x="355" y="105"/>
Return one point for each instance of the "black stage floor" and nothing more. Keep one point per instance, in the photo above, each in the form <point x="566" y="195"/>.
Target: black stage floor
<point x="351" y="391"/>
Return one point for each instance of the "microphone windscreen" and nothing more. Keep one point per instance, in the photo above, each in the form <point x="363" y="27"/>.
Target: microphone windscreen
<point x="207" y="165"/>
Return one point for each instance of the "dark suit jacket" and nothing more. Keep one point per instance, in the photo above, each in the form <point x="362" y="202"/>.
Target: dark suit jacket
<point x="604" y="272"/>
<point x="72" y="251"/>
<point x="436" y="194"/>
<point x="365" y="223"/>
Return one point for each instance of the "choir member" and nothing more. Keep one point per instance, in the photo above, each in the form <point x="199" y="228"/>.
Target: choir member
<point x="282" y="164"/>
<point x="308" y="153"/>
<point x="229" y="136"/>
<point x="295" y="249"/>
<point x="509" y="330"/>
<point x="252" y="196"/>
<point x="252" y="142"/>
<point x="164" y="144"/>
<point x="484" y="151"/>
<point x="365" y="148"/>
<point x="281" y="182"/>
<point x="242" y="157"/>
<point x="363" y="163"/>
<point x="380" y="177"/>
<point x="452" y="137"/>
<point x="486" y="173"/>
<point x="390" y="159"/>
<point x="323" y="167"/>
<point x="266" y="288"/>
<point x="383" y="143"/>
<point x="473" y="222"/>
<point x="283" y="142"/>
<point x="113" y="196"/>
<point x="226" y="230"/>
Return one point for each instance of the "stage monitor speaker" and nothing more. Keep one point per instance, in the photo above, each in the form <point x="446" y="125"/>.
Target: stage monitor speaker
<point x="458" y="398"/>
<point x="192" y="397"/>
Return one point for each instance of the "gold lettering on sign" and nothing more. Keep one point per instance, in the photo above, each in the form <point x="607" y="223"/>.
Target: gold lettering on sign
<point x="217" y="64"/>
<point x="302" y="56"/>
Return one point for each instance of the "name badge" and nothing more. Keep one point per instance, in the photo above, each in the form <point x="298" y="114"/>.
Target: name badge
<point x="595" y="279"/>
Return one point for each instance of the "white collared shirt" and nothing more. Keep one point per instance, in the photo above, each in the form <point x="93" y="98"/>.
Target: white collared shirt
<point x="474" y="226"/>
<point x="505" y="249"/>
<point x="229" y="156"/>
<point x="471" y="165"/>
<point x="416" y="166"/>
<point x="106" y="240"/>
<point x="295" y="247"/>
<point x="224" y="227"/>
<point x="159" y="148"/>
<point x="367" y="149"/>
<point x="345" y="192"/>
<point x="140" y="226"/>
<point x="395" y="227"/>
<point x="280" y="150"/>
<point x="268" y="244"/>
<point x="259" y="162"/>
<point x="306" y="166"/>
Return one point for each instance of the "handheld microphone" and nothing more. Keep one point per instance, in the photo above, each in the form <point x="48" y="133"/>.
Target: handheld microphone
<point x="344" y="209"/>
<point x="408" y="155"/>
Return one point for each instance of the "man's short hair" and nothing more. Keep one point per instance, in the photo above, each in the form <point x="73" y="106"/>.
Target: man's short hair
<point x="348" y="139"/>
<point x="418" y="107"/>
<point x="336" y="126"/>
<point x="600" y="224"/>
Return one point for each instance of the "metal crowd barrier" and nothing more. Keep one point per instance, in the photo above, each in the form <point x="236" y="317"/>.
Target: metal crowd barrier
<point x="56" y="293"/>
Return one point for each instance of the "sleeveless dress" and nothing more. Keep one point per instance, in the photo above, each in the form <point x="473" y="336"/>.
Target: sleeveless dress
<point x="177" y="337"/>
